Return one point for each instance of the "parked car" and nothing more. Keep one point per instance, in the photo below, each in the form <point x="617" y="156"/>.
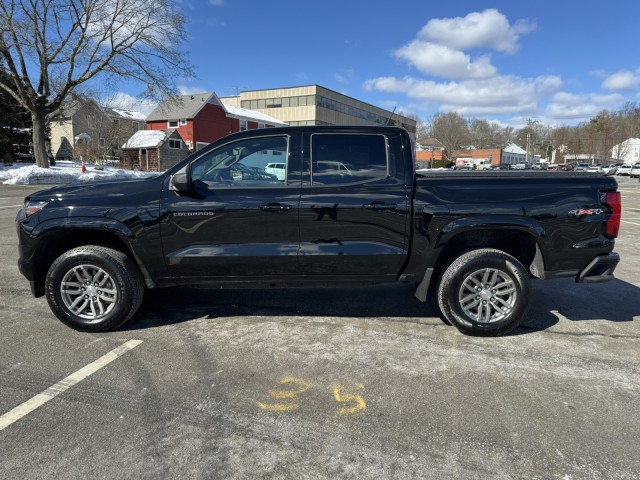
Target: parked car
<point x="560" y="167"/>
<point x="624" y="169"/>
<point x="609" y="169"/>
<point x="594" y="169"/>
<point x="243" y="172"/>
<point x="277" y="169"/>
<point x="501" y="166"/>
<point x="581" y="167"/>
<point x="635" y="170"/>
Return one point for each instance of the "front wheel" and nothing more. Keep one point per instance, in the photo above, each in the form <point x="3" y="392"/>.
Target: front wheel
<point x="485" y="292"/>
<point x="94" y="288"/>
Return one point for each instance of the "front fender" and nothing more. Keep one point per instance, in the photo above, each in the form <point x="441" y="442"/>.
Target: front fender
<point x="41" y="245"/>
<point x="84" y="223"/>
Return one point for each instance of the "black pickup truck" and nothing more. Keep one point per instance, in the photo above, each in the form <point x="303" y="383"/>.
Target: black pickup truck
<point x="321" y="206"/>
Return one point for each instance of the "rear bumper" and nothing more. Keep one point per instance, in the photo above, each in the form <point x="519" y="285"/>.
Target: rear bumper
<point x="600" y="269"/>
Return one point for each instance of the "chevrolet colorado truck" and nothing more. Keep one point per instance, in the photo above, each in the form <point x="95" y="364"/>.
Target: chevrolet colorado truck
<point x="348" y="208"/>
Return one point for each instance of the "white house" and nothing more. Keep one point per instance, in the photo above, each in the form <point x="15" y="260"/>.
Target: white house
<point x="627" y="151"/>
<point x="512" y="154"/>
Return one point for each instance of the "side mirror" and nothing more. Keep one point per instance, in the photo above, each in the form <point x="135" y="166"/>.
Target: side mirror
<point x="181" y="180"/>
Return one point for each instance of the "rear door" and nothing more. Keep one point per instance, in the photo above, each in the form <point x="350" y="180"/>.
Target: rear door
<point x="354" y="205"/>
<point x="240" y="221"/>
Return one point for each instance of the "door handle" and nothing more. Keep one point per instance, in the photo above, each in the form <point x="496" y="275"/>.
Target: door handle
<point x="380" y="206"/>
<point x="276" y="207"/>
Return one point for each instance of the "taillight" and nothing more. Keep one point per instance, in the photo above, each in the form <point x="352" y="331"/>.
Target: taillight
<point x="611" y="225"/>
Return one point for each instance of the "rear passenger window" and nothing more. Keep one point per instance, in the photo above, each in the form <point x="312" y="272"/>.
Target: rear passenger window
<point x="347" y="158"/>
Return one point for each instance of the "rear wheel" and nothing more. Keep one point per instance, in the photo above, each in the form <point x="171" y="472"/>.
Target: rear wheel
<point x="484" y="292"/>
<point x="94" y="288"/>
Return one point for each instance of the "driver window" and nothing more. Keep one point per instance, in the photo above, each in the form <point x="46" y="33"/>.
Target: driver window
<point x="245" y="163"/>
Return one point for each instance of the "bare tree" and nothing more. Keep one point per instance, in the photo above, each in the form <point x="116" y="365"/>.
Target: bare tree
<point x="485" y="134"/>
<point x="52" y="47"/>
<point x="423" y="128"/>
<point x="451" y="130"/>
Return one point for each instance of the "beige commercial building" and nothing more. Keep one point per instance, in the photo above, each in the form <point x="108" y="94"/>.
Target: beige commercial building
<point x="316" y="105"/>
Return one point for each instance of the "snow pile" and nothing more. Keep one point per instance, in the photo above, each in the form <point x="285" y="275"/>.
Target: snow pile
<point x="130" y="114"/>
<point x="64" y="172"/>
<point x="146" y="139"/>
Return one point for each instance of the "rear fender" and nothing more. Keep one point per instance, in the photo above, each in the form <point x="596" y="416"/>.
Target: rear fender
<point x="490" y="222"/>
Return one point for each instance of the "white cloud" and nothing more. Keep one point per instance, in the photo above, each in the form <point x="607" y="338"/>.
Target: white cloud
<point x="487" y="29"/>
<point x="496" y="96"/>
<point x="344" y="76"/>
<point x="442" y="61"/>
<point x="620" y="81"/>
<point x="188" y="90"/>
<point x="456" y="80"/>
<point x="440" y="46"/>
<point x="582" y="106"/>
<point x="216" y="3"/>
<point x="124" y="101"/>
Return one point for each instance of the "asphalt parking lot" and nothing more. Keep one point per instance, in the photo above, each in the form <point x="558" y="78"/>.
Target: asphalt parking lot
<point x="337" y="383"/>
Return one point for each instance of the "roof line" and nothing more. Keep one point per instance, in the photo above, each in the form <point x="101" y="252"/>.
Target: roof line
<point x="325" y="88"/>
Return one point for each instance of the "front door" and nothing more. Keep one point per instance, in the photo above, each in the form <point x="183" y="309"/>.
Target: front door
<point x="240" y="221"/>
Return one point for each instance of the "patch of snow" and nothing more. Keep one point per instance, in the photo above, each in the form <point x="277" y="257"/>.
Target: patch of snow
<point x="253" y="115"/>
<point x="130" y="114"/>
<point x="146" y="139"/>
<point x="64" y="172"/>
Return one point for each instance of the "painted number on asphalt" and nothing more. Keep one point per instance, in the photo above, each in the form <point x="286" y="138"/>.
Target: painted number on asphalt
<point x="286" y="397"/>
<point x="293" y="388"/>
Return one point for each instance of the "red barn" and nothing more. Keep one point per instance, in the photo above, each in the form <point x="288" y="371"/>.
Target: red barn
<point x="201" y="118"/>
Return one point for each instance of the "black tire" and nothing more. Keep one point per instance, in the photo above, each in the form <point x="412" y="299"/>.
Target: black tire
<point x="103" y="288"/>
<point x="484" y="292"/>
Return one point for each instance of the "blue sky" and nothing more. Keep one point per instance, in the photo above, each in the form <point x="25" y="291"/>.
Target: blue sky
<point x="559" y="62"/>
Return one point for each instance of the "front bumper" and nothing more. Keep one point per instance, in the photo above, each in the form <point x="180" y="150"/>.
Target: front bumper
<point x="26" y="252"/>
<point x="600" y="269"/>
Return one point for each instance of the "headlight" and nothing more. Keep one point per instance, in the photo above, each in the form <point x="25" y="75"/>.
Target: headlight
<point x="30" y="208"/>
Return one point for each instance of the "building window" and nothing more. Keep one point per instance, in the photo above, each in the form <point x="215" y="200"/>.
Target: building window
<point x="172" y="123"/>
<point x="175" y="144"/>
<point x="183" y="121"/>
<point x="261" y="125"/>
<point x="243" y="125"/>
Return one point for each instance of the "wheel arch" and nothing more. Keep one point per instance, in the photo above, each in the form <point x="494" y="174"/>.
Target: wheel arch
<point x="57" y="241"/>
<point x="517" y="242"/>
